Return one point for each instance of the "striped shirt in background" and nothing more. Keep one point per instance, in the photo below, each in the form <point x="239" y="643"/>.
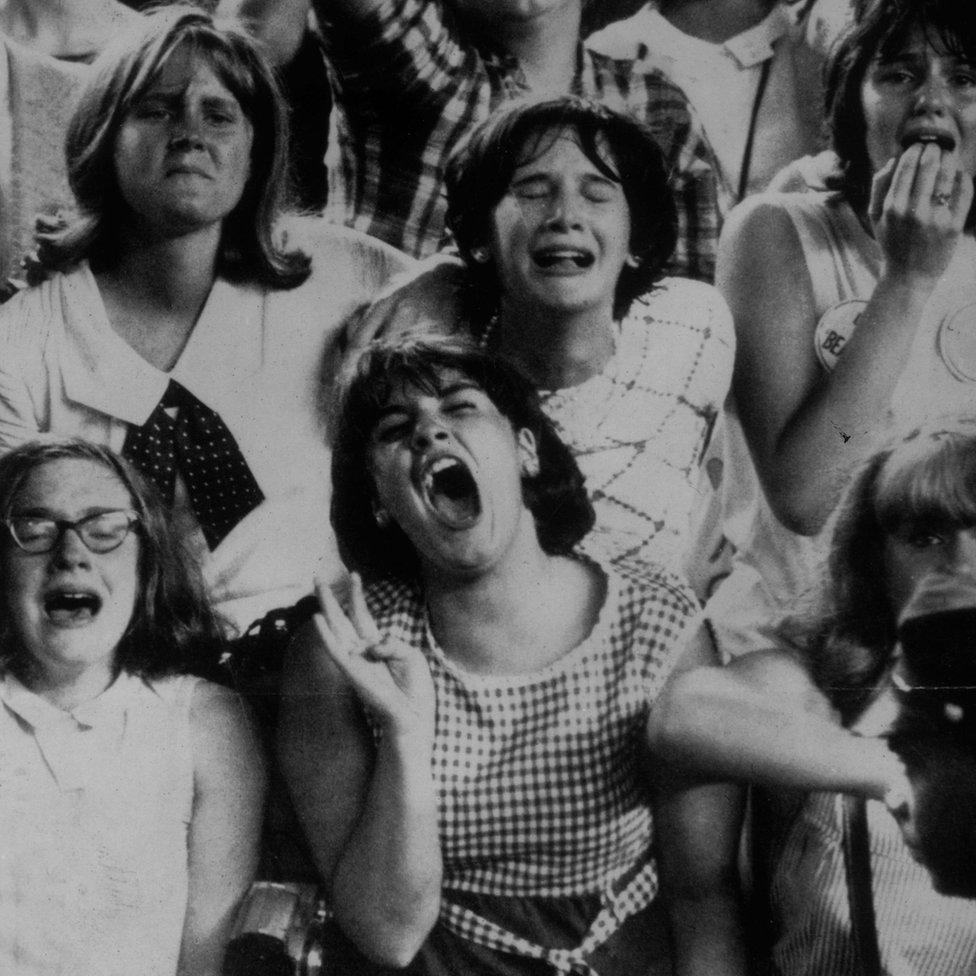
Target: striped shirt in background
<point x="408" y="86"/>
<point x="920" y="932"/>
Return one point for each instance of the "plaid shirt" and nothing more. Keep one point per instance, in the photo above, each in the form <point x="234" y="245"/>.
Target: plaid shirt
<point x="540" y="790"/>
<point x="408" y="86"/>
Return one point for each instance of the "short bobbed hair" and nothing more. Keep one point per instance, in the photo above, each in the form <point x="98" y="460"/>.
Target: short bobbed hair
<point x="556" y="496"/>
<point x="173" y="628"/>
<point x="924" y="479"/>
<point x="881" y="30"/>
<point x="250" y="249"/>
<point x="480" y="171"/>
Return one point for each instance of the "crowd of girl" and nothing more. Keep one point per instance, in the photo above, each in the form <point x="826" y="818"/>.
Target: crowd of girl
<point x="503" y="721"/>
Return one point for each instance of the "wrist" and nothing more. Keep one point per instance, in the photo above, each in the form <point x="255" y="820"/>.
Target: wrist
<point x="897" y="793"/>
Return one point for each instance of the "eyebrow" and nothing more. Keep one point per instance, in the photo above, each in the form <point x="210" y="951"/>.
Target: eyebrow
<point x="458" y="386"/>
<point x="40" y="512"/>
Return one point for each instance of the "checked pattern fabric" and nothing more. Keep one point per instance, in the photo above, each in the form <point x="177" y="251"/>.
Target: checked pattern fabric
<point x="183" y="434"/>
<point x="539" y="786"/>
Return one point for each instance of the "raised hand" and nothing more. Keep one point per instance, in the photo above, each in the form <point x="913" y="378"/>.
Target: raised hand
<point x="918" y="208"/>
<point x="391" y="677"/>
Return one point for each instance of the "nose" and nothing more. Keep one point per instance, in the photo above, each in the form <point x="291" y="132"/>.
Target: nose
<point x="933" y="93"/>
<point x="564" y="212"/>
<point x="428" y="431"/>
<point x="963" y="551"/>
<point x="70" y="551"/>
<point x="186" y="130"/>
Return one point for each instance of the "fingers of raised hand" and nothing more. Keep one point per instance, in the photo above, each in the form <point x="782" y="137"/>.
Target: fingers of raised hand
<point x="336" y="628"/>
<point x="362" y="619"/>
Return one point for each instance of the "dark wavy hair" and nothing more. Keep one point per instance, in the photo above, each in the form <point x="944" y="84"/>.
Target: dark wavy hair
<point x="880" y="31"/>
<point x="480" y="170"/>
<point x="173" y="628"/>
<point x="556" y="496"/>
<point x="924" y="479"/>
<point x="250" y="249"/>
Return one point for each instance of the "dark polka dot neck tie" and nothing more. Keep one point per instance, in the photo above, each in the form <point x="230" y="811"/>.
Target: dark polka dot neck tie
<point x="182" y="434"/>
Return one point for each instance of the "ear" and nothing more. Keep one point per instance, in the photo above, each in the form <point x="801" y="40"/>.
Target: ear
<point x="528" y="453"/>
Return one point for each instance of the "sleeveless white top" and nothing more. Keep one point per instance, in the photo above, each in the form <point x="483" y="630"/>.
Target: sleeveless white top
<point x="775" y="570"/>
<point x="94" y="810"/>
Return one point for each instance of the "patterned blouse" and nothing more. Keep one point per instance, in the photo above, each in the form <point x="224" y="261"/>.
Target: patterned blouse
<point x="538" y="779"/>
<point x="638" y="429"/>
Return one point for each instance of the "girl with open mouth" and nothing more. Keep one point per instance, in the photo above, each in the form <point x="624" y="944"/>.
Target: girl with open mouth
<point x="465" y="741"/>
<point x="854" y="301"/>
<point x="130" y="792"/>
<point x="565" y="225"/>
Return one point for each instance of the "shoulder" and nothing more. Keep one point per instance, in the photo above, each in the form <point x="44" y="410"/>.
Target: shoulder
<point x="339" y="252"/>
<point x="222" y="734"/>
<point x="765" y="225"/>
<point x="42" y="74"/>
<point x="652" y="596"/>
<point x="26" y="320"/>
<point x="686" y="300"/>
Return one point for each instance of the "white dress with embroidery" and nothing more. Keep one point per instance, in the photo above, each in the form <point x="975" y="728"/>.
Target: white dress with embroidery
<point x="94" y="810"/>
<point x="639" y="427"/>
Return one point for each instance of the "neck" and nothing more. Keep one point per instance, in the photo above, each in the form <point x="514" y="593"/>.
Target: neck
<point x="545" y="46"/>
<point x="67" y="688"/>
<point x="715" y="21"/>
<point x="155" y="291"/>
<point x="558" y="352"/>
<point x="171" y="274"/>
<point x="485" y="623"/>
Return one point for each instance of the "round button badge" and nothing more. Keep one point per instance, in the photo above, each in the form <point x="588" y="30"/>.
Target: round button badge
<point x="957" y="342"/>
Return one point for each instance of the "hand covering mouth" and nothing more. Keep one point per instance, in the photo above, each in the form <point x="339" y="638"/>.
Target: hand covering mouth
<point x="563" y="258"/>
<point x="942" y="139"/>
<point x="451" y="491"/>
<point x="65" y="606"/>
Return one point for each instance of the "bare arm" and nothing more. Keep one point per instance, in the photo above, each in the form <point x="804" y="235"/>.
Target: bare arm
<point x="224" y="835"/>
<point x="807" y="431"/>
<point x="369" y="811"/>
<point x="696" y="831"/>
<point x="761" y="719"/>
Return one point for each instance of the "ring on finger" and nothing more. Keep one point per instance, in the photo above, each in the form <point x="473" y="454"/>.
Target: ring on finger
<point x="941" y="199"/>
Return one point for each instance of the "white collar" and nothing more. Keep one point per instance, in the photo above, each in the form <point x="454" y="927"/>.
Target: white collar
<point x="102" y="371"/>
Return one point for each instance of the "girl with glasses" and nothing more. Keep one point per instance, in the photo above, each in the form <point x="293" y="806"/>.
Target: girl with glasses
<point x="465" y="743"/>
<point x="130" y="792"/>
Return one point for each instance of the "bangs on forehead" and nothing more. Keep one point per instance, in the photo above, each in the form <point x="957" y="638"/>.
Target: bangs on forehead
<point x="202" y="48"/>
<point x="929" y="479"/>
<point x="590" y="138"/>
<point x="402" y="369"/>
<point x="948" y="34"/>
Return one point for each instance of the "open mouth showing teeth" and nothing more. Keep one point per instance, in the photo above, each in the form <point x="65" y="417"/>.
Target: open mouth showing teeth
<point x="65" y="606"/>
<point x="943" y="141"/>
<point x="563" y="258"/>
<point x="450" y="489"/>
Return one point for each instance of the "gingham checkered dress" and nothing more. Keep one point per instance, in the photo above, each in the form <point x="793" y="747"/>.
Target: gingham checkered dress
<point x="540" y="791"/>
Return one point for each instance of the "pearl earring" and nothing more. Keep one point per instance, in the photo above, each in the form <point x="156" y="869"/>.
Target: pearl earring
<point x="382" y="517"/>
<point x="480" y="254"/>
